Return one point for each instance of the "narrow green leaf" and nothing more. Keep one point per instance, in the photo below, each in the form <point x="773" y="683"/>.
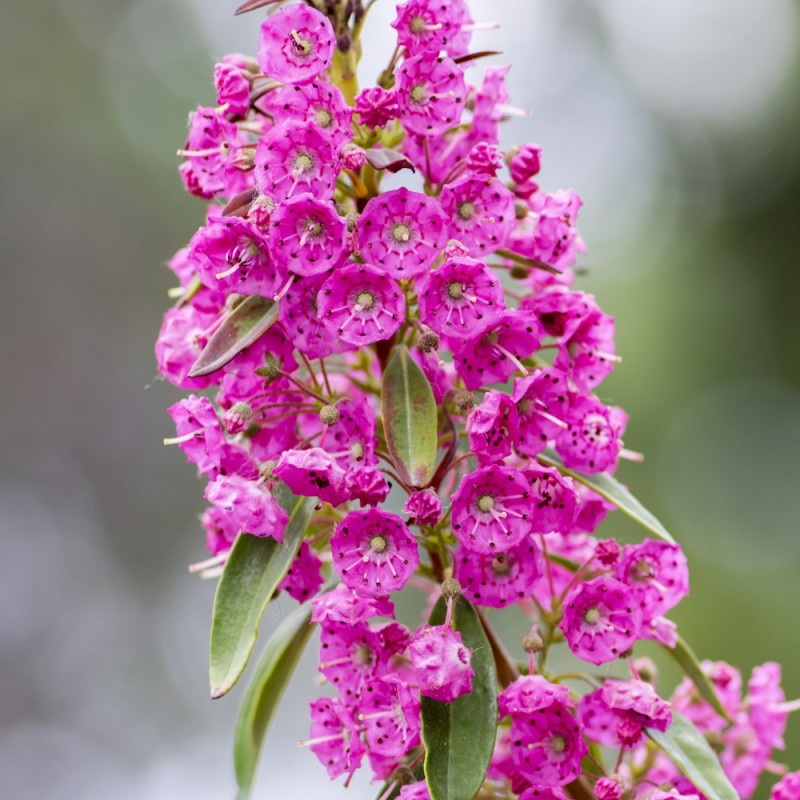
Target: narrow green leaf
<point x="243" y="325"/>
<point x="614" y="492"/>
<point x="253" y="571"/>
<point x="692" y="754"/>
<point x="409" y="418"/>
<point x="459" y="737"/>
<point x="687" y="661"/>
<point x="280" y="656"/>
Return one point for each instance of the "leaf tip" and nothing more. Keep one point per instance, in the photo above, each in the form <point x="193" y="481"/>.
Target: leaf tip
<point x="219" y="691"/>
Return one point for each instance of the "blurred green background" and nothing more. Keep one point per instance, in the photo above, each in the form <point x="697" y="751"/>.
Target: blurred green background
<point x="676" y="120"/>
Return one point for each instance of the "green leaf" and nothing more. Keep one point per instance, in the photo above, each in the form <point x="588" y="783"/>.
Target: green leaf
<point x="253" y="571"/>
<point x="614" y="492"/>
<point x="409" y="418"/>
<point x="243" y="325"/>
<point x="280" y="656"/>
<point x="459" y="737"/>
<point x="692" y="754"/>
<point x="687" y="661"/>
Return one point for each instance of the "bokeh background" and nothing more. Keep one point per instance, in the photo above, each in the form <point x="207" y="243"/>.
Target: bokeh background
<point x="678" y="122"/>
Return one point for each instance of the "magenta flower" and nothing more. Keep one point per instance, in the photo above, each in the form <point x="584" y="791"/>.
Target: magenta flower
<point x="312" y="473"/>
<point x="183" y="335"/>
<point x="481" y="213"/>
<point x="232" y="255"/>
<point x="304" y="578"/>
<point x="373" y="551"/>
<point x="547" y="746"/>
<point x="787" y="788"/>
<point x="335" y="737"/>
<point x="233" y="87"/>
<point x="491" y="509"/>
<point x="637" y="701"/>
<point x="360" y="305"/>
<point x="501" y="579"/>
<point x="543" y="401"/>
<point x="293" y="158"/>
<point x="296" y="44"/>
<point x="317" y="102"/>
<point x="498" y="352"/>
<point x="350" y="657"/>
<point x="427" y="26"/>
<point x="555" y="501"/>
<point x="402" y="232"/>
<point x="493" y="427"/>
<point x="344" y="606"/>
<point x="442" y="663"/>
<point x="376" y="107"/>
<point x="367" y="485"/>
<point x="543" y="793"/>
<point x="524" y="163"/>
<point x="591" y="441"/>
<point x="529" y="694"/>
<point x="462" y="299"/>
<point x="419" y="791"/>
<point x="307" y="236"/>
<point x="351" y="439"/>
<point x="431" y="94"/>
<point x="423" y="508"/>
<point x="389" y="713"/>
<point x="484" y="161"/>
<point x="727" y="683"/>
<point x="249" y="506"/>
<point x="609" y="788"/>
<point x="601" y="620"/>
<point x="220" y="530"/>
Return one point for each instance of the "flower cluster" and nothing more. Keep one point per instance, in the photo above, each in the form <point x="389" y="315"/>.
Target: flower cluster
<point x="310" y="241"/>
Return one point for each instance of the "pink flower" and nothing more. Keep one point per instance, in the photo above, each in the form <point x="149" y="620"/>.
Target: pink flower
<point x="591" y="442"/>
<point x="296" y="44"/>
<point x="367" y="485"/>
<point x="233" y="88"/>
<point x="431" y="94"/>
<point x="787" y="788"/>
<point x="249" y="505"/>
<point x="543" y="793"/>
<point x="304" y="578"/>
<point x="317" y="102"/>
<point x="402" y="232"/>
<point x="376" y="107"/>
<point x="373" y="551"/>
<point x="543" y="401"/>
<point x="293" y="158"/>
<point x="491" y="508"/>
<point x="307" y="236"/>
<point x="481" y="212"/>
<point x="501" y="579"/>
<point x="637" y="700"/>
<point x="335" y="737"/>
<point x="601" y="620"/>
<point x="389" y="712"/>
<point x="221" y="532"/>
<point x="727" y="683"/>
<point x="423" y="508"/>
<point x="361" y="305"/>
<point x="493" y="427"/>
<point x="345" y="606"/>
<point x="183" y="335"/>
<point x="497" y="353"/>
<point x="554" y="498"/>
<point x="484" y="161"/>
<point x="524" y="163"/>
<point x="419" y="791"/>
<point x="462" y="299"/>
<point x="609" y="788"/>
<point x="442" y="663"/>
<point x="312" y="473"/>
<point x="427" y="26"/>
<point x="529" y="694"/>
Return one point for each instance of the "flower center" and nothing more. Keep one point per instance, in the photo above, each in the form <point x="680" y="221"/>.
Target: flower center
<point x="592" y="616"/>
<point x="378" y="544"/>
<point x="323" y="117"/>
<point x="357" y="451"/>
<point x="486" y="503"/>
<point x="417" y="25"/>
<point x="314" y="227"/>
<point x="302" y="46"/>
<point x="303" y="163"/>
<point x="500" y="566"/>
<point x="466" y="211"/>
<point x="559" y="744"/>
<point x="642" y="571"/>
<point x="418" y="94"/>
<point x="363" y="655"/>
<point x="365" y="300"/>
<point x="455" y="290"/>
<point x="401" y="233"/>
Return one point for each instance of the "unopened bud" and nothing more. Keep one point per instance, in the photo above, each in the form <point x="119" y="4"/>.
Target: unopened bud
<point x="429" y="342"/>
<point x="521" y="209"/>
<point x="532" y="642"/>
<point x="403" y="776"/>
<point x="451" y="589"/>
<point x="353" y="157"/>
<point x="519" y="272"/>
<point x="646" y="669"/>
<point x="237" y="418"/>
<point x="463" y="403"/>
<point x="329" y="415"/>
<point x="352" y="221"/>
<point x="454" y="249"/>
<point x="261" y="210"/>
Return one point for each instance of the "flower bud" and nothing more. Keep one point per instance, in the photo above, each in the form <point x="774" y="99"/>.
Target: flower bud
<point x="451" y="589"/>
<point x="521" y="209"/>
<point x="454" y="249"/>
<point x="519" y="272"/>
<point x="463" y="403"/>
<point x="353" y="157"/>
<point x="237" y="418"/>
<point x="429" y="342"/>
<point x="532" y="642"/>
<point x="329" y="415"/>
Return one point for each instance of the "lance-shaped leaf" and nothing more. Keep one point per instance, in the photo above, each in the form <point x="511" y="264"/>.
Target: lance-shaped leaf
<point x="692" y="754"/>
<point x="280" y="656"/>
<point x="687" y="661"/>
<point x="409" y="418"/>
<point x="614" y="492"/>
<point x="388" y="159"/>
<point x="252" y="573"/>
<point x="459" y="737"/>
<point x="238" y="330"/>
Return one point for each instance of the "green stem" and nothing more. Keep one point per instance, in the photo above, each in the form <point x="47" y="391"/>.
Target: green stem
<point x="344" y="72"/>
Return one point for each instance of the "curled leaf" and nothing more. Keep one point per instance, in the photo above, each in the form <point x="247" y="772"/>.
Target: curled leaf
<point x="390" y="160"/>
